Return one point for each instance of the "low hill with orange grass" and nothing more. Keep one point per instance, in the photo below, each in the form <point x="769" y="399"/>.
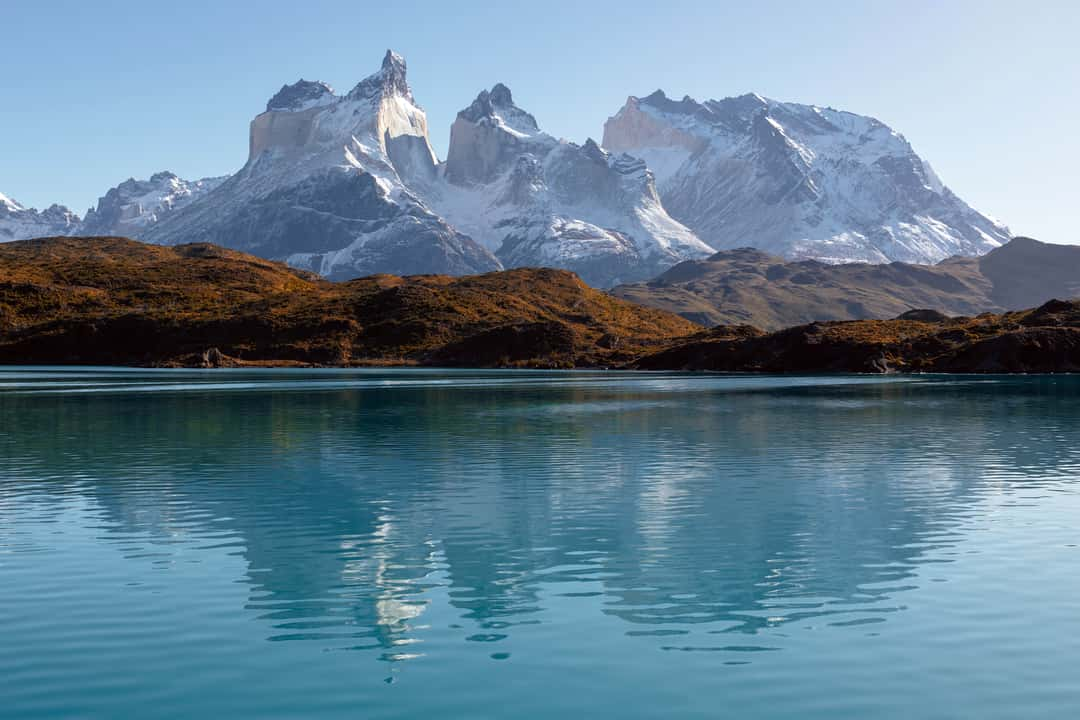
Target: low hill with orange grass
<point x="116" y="301"/>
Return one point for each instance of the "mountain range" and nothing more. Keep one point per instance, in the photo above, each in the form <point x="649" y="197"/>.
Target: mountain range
<point x="19" y="223"/>
<point x="349" y="185"/>
<point x="750" y="286"/>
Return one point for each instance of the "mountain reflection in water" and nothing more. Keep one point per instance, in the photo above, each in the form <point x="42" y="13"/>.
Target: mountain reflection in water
<point x="404" y="514"/>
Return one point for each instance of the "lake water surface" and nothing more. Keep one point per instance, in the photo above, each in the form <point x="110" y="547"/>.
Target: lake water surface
<point x="467" y="544"/>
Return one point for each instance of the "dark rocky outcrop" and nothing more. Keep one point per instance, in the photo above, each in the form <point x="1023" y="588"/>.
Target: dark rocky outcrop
<point x="550" y="343"/>
<point x="1043" y="340"/>
<point x="932" y="316"/>
<point x="299" y="94"/>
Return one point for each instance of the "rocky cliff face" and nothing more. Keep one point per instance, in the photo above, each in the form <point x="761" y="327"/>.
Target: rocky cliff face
<point x="797" y="180"/>
<point x="326" y="187"/>
<point x="489" y="136"/>
<point x="538" y="201"/>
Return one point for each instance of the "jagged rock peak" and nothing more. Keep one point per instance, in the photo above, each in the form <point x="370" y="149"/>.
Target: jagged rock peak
<point x="60" y="213"/>
<point x="626" y="164"/>
<point x="594" y="151"/>
<point x="501" y="95"/>
<point x="300" y="95"/>
<point x="390" y="80"/>
<point x="660" y="100"/>
<point x="499" y="103"/>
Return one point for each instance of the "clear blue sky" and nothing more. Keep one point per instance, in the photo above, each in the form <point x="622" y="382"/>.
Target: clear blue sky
<point x="989" y="92"/>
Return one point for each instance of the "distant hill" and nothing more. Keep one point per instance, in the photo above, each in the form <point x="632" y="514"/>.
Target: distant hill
<point x="1043" y="340"/>
<point x="748" y="286"/>
<point x="117" y="301"/>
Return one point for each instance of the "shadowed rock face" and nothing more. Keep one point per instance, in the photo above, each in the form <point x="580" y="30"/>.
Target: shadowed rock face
<point x="313" y="223"/>
<point x="750" y="286"/>
<point x="1026" y="272"/>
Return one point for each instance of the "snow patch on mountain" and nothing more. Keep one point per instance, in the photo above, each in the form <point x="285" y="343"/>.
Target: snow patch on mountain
<point x="8" y="204"/>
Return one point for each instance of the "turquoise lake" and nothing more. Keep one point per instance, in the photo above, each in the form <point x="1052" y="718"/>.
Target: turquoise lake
<point x="514" y="544"/>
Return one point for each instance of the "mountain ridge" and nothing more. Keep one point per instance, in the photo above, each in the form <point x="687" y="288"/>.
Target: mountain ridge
<point x="753" y="287"/>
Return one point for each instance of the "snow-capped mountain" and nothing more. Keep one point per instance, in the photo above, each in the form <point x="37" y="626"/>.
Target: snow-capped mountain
<point x="797" y="180"/>
<point x="349" y="185"/>
<point x="326" y="187"/>
<point x="20" y="223"/>
<point x="128" y="209"/>
<point x="538" y="201"/>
